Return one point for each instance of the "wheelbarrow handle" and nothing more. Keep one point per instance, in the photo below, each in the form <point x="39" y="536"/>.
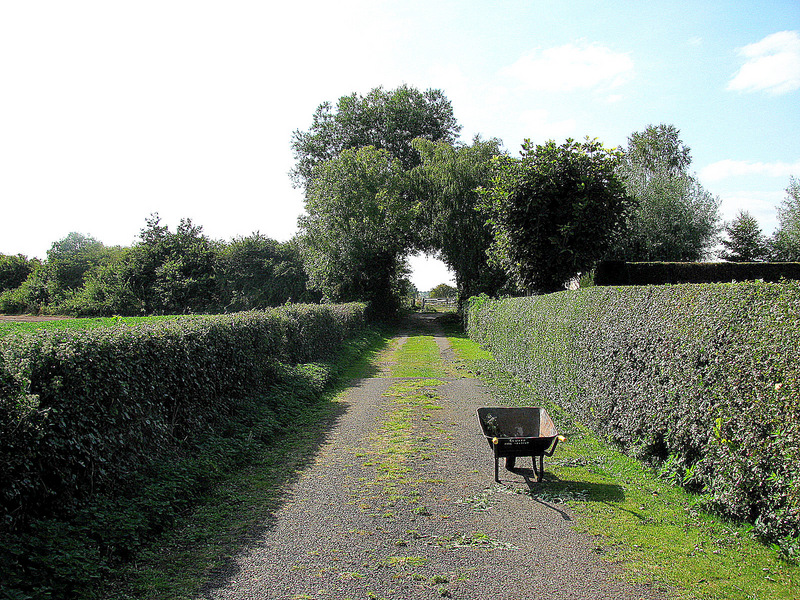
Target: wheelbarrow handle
<point x="555" y="443"/>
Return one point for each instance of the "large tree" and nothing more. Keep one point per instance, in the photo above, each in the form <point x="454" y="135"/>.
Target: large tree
<point x="385" y="119"/>
<point x="786" y="241"/>
<point x="356" y="233"/>
<point x="450" y="226"/>
<point x="553" y="211"/>
<point x="357" y="228"/>
<point x="675" y="219"/>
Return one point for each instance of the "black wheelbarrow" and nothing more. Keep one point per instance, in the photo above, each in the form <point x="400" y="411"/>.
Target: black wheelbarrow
<point x="522" y="431"/>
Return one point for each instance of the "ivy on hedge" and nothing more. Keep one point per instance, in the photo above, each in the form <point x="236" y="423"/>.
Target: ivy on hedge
<point x="699" y="379"/>
<point x="88" y="419"/>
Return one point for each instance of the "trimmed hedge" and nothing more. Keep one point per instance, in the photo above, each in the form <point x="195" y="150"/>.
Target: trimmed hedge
<point x="80" y="411"/>
<point x="106" y="435"/>
<point x="658" y="273"/>
<point x="701" y="380"/>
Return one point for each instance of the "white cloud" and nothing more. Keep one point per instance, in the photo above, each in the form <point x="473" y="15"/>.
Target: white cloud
<point x="724" y="169"/>
<point x="571" y="67"/>
<point x="771" y="65"/>
<point x="538" y="126"/>
<point x="761" y="204"/>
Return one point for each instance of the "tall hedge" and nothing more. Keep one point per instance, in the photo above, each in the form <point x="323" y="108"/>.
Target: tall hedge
<point x="80" y="411"/>
<point x="700" y="379"/>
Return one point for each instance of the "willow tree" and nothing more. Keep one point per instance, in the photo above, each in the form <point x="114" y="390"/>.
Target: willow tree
<point x="675" y="218"/>
<point x="446" y="186"/>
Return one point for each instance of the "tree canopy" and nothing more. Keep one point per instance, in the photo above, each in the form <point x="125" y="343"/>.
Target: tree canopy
<point x="674" y="218"/>
<point x="553" y="211"/>
<point x="744" y="242"/>
<point x="446" y="187"/>
<point x="386" y="119"/>
<point x="787" y="238"/>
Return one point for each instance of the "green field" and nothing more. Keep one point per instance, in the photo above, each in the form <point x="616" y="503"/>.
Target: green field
<point x="7" y="327"/>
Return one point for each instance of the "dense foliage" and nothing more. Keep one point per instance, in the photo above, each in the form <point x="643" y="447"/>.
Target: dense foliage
<point x="164" y="272"/>
<point x="786" y="241"/>
<point x="92" y="419"/>
<point x="553" y="212"/>
<point x="449" y="225"/>
<point x="14" y="270"/>
<point x="701" y="380"/>
<point x="357" y="228"/>
<point x="674" y="218"/>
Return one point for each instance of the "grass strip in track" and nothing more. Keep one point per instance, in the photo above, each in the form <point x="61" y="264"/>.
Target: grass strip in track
<point x="419" y="357"/>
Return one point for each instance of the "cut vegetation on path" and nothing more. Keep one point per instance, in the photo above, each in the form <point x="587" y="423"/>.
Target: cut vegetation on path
<point x="400" y="502"/>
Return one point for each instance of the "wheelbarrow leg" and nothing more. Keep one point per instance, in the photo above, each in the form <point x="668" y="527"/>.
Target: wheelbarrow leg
<point x="540" y="471"/>
<point x="496" y="470"/>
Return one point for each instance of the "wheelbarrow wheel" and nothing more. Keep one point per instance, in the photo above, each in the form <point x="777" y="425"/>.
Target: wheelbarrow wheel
<point x="510" y="462"/>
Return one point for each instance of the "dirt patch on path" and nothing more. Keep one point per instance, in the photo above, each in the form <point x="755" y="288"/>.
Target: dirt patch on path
<point x="400" y="503"/>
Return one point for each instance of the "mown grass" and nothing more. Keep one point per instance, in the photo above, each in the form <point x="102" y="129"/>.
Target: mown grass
<point x="419" y="357"/>
<point x="8" y="327"/>
<point x="656" y="529"/>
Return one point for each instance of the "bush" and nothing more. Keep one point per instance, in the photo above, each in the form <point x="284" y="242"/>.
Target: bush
<point x="92" y="418"/>
<point x="700" y="380"/>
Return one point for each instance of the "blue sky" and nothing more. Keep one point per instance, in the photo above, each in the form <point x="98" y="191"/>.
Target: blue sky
<point x="110" y="111"/>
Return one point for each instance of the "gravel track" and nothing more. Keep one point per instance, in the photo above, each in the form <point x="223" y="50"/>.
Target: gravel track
<point x="442" y="528"/>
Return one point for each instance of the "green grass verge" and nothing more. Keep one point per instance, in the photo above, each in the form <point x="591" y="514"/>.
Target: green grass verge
<point x="653" y="527"/>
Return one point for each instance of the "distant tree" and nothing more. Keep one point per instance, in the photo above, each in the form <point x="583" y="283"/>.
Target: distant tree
<point x="553" y="211"/>
<point x="674" y="219"/>
<point x="357" y="228"/>
<point x="70" y="258"/>
<point x="786" y="241"/>
<point x="445" y="187"/>
<point x="31" y="296"/>
<point x="745" y="242"/>
<point x="258" y="272"/>
<point x="443" y="291"/>
<point x="14" y="269"/>
<point x="173" y="273"/>
<point x="386" y="119"/>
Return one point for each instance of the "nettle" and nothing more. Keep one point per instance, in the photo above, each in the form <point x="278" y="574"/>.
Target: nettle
<point x="699" y="380"/>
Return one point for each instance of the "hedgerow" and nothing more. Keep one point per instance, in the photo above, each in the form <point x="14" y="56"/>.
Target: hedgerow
<point x="108" y="434"/>
<point x="701" y="380"/>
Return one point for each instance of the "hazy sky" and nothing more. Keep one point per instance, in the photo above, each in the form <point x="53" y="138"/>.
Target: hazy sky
<point x="110" y="110"/>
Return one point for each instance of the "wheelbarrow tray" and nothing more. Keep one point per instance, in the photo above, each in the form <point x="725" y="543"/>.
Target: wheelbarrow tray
<point x="518" y="431"/>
